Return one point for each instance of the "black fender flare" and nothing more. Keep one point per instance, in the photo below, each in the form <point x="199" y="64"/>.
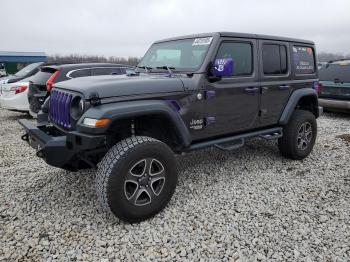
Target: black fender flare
<point x="130" y="109"/>
<point x="293" y="101"/>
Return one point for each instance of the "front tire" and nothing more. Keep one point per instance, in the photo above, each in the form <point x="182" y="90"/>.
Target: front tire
<point x="299" y="135"/>
<point x="136" y="178"/>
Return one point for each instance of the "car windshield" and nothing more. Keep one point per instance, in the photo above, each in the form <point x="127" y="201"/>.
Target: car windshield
<point x="26" y="70"/>
<point x="339" y="71"/>
<point x="179" y="55"/>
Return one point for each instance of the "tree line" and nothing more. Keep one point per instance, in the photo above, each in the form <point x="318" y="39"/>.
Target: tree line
<point x="75" y="58"/>
<point x="326" y="57"/>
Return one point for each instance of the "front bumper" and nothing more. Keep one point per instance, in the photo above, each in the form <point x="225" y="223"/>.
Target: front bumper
<point x="61" y="150"/>
<point x="334" y="104"/>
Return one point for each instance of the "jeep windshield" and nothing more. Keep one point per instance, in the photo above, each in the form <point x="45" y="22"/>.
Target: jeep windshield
<point x="180" y="55"/>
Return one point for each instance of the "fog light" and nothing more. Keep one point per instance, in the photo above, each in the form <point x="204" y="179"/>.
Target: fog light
<point x="96" y="122"/>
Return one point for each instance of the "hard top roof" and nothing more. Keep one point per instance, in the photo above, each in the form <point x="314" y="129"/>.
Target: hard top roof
<point x="240" y="35"/>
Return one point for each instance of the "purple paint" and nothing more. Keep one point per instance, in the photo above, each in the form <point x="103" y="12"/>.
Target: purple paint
<point x="174" y="104"/>
<point x="209" y="120"/>
<point x="223" y="67"/>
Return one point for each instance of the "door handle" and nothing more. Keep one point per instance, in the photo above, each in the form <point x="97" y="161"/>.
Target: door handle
<point x="284" y="87"/>
<point x="251" y="90"/>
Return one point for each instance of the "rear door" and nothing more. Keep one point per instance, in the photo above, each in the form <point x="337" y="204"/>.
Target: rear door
<point x="276" y="80"/>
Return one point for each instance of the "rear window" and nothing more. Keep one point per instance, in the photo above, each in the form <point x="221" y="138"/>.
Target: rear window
<point x="80" y="73"/>
<point x="338" y="72"/>
<point x="28" y="69"/>
<point x="42" y="76"/>
<point x="304" y="60"/>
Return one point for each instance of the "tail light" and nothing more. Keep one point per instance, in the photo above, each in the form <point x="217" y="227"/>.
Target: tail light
<point x="49" y="82"/>
<point x="19" y="89"/>
<point x="317" y="86"/>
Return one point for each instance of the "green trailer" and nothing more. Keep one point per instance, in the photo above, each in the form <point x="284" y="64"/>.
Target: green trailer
<point x="12" y="62"/>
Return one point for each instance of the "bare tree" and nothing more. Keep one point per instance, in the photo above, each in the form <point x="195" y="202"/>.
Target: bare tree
<point x="76" y="58"/>
<point x="326" y="57"/>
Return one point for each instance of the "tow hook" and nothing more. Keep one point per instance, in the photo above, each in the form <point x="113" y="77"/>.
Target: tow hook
<point x="25" y="137"/>
<point x="40" y="154"/>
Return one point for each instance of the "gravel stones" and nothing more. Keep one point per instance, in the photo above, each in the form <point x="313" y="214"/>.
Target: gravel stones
<point x="246" y="205"/>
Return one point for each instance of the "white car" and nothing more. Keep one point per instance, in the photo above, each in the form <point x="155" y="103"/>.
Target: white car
<point x="14" y="96"/>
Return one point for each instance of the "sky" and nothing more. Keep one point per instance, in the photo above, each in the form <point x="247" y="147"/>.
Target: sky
<point x="128" y="28"/>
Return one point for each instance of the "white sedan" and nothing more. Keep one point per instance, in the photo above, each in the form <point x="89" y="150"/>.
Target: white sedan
<point x="14" y="96"/>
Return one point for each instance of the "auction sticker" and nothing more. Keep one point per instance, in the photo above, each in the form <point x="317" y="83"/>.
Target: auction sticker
<point x="202" y="41"/>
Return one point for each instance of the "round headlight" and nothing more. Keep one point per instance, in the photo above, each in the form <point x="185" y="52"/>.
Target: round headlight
<point x="77" y="108"/>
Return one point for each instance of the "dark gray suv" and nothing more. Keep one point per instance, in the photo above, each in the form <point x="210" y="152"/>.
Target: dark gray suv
<point x="41" y="83"/>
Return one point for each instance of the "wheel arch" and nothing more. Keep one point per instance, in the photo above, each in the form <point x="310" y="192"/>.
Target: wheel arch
<point x="147" y="117"/>
<point x="305" y="99"/>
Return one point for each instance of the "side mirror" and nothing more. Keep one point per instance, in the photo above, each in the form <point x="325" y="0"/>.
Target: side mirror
<point x="223" y="67"/>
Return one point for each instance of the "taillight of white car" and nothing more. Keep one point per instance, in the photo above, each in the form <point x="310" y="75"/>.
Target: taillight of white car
<point x="19" y="89"/>
<point x="14" y="96"/>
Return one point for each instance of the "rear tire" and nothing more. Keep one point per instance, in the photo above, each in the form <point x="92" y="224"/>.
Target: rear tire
<point x="136" y="178"/>
<point x="299" y="135"/>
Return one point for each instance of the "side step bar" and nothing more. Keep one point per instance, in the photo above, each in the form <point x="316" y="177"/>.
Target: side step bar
<point x="234" y="142"/>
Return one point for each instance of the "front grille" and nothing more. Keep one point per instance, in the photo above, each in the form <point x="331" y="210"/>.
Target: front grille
<point x="60" y="103"/>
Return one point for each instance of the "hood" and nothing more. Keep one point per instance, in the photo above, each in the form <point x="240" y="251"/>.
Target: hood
<point x="113" y="86"/>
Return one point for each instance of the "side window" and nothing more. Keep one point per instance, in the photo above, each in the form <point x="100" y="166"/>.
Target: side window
<point x="80" y="73"/>
<point x="275" y="59"/>
<point x="123" y="70"/>
<point x="304" y="60"/>
<point x="105" y="71"/>
<point x="241" y="54"/>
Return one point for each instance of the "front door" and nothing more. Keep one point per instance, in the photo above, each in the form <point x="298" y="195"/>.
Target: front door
<point x="232" y="103"/>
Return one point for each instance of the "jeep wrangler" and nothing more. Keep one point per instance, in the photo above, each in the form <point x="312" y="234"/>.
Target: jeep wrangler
<point x="187" y="93"/>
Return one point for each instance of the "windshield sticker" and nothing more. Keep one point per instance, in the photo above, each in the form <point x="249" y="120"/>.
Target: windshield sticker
<point x="202" y="41"/>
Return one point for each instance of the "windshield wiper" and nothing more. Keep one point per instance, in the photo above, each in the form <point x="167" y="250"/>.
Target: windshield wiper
<point x="167" y="68"/>
<point x="147" y="68"/>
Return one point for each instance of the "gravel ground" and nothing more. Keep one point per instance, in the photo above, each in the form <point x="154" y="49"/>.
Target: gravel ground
<point x="246" y="205"/>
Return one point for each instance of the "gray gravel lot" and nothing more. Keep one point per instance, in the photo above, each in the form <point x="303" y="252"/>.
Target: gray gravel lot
<point x="246" y="205"/>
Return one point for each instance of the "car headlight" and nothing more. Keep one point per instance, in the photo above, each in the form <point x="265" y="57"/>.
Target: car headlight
<point x="77" y="108"/>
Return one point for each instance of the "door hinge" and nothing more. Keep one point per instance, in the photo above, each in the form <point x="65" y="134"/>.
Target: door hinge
<point x="264" y="89"/>
<point x="209" y="94"/>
